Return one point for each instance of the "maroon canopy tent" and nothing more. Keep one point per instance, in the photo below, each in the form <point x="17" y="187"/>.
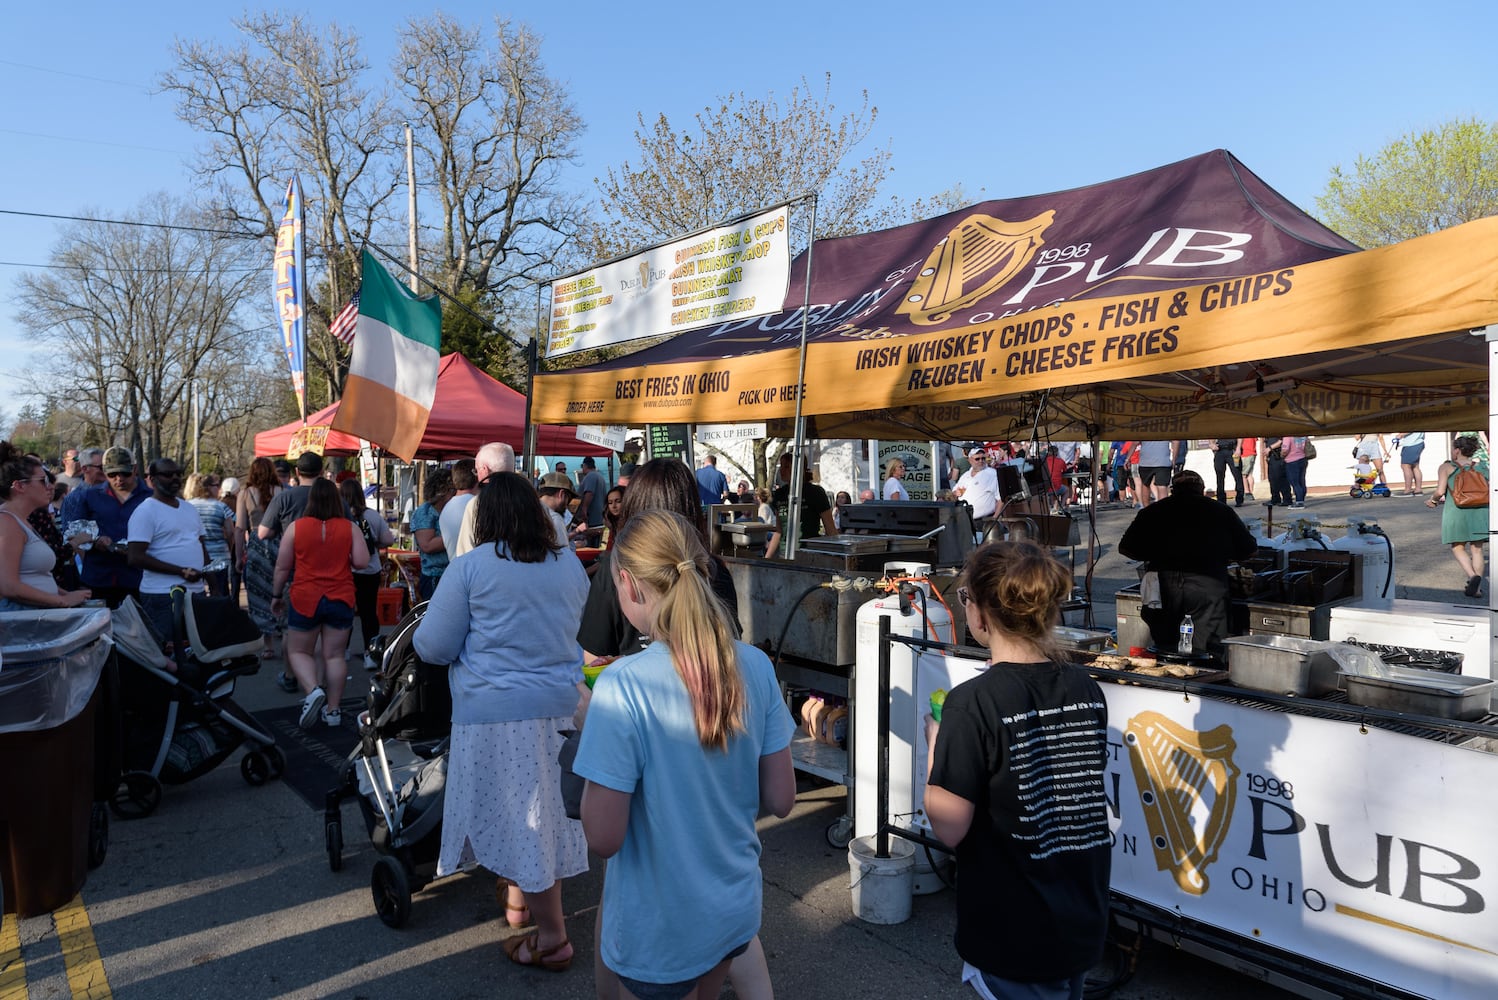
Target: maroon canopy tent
<point x="470" y="410"/>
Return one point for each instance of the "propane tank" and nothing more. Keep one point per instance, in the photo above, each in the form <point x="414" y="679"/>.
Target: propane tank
<point x="913" y="676"/>
<point x="1367" y="539"/>
<point x="1302" y="533"/>
<point x="1255" y="526"/>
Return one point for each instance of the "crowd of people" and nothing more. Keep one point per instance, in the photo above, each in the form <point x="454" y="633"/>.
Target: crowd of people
<point x="685" y="736"/>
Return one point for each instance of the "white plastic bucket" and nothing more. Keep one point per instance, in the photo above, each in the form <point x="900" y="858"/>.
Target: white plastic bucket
<point x="881" y="886"/>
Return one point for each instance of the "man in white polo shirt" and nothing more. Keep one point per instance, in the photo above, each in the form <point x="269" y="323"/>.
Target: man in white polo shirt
<point x="166" y="544"/>
<point x="979" y="485"/>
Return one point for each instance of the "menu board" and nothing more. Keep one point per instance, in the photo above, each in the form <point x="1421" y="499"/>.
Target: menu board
<point x="670" y="441"/>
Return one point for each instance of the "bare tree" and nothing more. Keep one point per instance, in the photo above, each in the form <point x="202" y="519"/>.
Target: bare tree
<point x="292" y="99"/>
<point x="494" y="131"/>
<point x="741" y="154"/>
<point x="136" y="314"/>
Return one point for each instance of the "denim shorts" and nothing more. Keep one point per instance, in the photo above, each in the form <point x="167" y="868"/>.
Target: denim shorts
<point x="671" y="991"/>
<point x="329" y="614"/>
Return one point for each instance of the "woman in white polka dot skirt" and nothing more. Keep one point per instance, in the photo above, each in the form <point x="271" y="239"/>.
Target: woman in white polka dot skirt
<point x="506" y="618"/>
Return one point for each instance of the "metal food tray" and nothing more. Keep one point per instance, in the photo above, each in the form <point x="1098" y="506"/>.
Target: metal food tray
<point x="1282" y="664"/>
<point x="1421" y="692"/>
<point x="865" y="544"/>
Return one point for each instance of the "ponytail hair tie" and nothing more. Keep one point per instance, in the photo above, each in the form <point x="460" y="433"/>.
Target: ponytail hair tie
<point x="685" y="566"/>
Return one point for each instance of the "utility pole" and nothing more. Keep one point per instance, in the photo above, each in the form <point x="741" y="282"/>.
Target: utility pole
<point x="411" y="207"/>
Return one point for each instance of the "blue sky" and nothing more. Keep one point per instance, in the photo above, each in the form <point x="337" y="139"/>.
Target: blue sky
<point x="1004" y="101"/>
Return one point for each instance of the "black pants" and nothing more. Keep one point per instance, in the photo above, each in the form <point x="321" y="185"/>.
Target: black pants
<point x="1204" y="598"/>
<point x="366" y="603"/>
<point x="1222" y="461"/>
<point x="1279" y="482"/>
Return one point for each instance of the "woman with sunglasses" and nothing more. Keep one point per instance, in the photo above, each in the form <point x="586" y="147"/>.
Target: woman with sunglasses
<point x="26" y="560"/>
<point x="1016" y="787"/>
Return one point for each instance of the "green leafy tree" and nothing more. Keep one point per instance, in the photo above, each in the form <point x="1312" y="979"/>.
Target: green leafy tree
<point x="1417" y="184"/>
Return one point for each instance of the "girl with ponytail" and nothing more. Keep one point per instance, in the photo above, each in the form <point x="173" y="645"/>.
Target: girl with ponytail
<point x="686" y="743"/>
<point x="1016" y="787"/>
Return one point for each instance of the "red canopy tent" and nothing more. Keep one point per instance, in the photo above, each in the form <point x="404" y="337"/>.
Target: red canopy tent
<point x="470" y="410"/>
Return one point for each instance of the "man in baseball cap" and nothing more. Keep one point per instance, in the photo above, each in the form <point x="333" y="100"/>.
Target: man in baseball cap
<point x="109" y="505"/>
<point x="979" y="485"/>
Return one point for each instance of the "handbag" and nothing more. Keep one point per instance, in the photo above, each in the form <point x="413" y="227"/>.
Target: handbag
<point x="1310" y="449"/>
<point x="572" y="783"/>
<point x="1469" y="489"/>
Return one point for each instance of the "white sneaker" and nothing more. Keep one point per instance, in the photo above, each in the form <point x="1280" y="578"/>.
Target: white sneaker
<point x="332" y="717"/>
<point x="311" y="706"/>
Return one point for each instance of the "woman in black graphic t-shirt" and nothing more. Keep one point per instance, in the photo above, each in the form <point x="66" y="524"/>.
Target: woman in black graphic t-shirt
<point x="1016" y="787"/>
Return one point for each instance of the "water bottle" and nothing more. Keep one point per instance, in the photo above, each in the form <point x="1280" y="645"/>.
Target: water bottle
<point x="1188" y="632"/>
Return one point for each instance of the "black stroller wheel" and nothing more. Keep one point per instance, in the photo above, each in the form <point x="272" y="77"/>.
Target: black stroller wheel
<point x="391" y="888"/>
<point x="276" y="759"/>
<point x="254" y="768"/>
<point x="333" y="838"/>
<point x="137" y="797"/>
<point x="98" y="835"/>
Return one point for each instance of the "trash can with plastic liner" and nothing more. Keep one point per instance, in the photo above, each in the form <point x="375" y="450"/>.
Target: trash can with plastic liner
<point x="51" y="663"/>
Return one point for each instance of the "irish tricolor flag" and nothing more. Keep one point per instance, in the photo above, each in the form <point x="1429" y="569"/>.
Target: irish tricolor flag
<point x="392" y="376"/>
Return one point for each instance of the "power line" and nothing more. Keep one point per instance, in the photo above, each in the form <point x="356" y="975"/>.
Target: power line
<point x="128" y="222"/>
<point x="60" y="72"/>
<point x="119" y="270"/>
<point x="90" y="142"/>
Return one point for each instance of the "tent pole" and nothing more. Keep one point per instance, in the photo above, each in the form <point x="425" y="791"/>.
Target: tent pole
<point x="1491" y="334"/>
<point x="798" y="450"/>
<point x="532" y="365"/>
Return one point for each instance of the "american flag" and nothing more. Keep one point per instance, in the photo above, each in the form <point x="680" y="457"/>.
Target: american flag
<point x="344" y="323"/>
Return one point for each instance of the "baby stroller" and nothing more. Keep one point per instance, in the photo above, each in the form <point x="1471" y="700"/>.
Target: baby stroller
<point x="178" y="714"/>
<point x="398" y="773"/>
<point x="1365" y="483"/>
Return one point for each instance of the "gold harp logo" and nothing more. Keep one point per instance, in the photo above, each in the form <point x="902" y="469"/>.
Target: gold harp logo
<point x="644" y="275"/>
<point x="976" y="258"/>
<point x="1187" y="785"/>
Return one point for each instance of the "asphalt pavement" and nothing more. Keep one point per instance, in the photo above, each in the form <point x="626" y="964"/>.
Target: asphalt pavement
<point x="226" y="889"/>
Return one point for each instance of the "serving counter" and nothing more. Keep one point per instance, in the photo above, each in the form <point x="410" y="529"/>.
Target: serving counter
<point x="1334" y="850"/>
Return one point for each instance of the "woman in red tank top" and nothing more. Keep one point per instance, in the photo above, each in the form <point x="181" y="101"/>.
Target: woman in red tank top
<point x="322" y="548"/>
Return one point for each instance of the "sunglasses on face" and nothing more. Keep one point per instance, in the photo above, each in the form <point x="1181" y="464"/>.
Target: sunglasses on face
<point x="118" y="475"/>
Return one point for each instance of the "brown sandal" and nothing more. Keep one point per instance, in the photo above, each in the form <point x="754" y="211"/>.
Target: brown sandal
<point x="522" y="917"/>
<point x="538" y="958"/>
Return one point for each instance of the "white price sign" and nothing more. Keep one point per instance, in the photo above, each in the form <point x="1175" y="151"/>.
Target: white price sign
<point x="733" y="272"/>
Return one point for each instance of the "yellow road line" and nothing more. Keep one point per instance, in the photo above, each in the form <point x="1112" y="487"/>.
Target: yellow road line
<point x="79" y="952"/>
<point x="12" y="965"/>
